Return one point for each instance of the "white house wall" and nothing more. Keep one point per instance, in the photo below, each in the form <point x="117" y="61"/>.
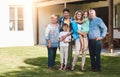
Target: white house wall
<point x="16" y="38"/>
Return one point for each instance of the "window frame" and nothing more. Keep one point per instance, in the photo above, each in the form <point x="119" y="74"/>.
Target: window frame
<point x="16" y="18"/>
<point x="117" y="24"/>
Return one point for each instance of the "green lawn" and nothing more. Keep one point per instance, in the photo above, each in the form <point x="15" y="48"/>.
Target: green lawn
<point x="32" y="62"/>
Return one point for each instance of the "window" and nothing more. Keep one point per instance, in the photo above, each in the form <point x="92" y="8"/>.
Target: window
<point x="117" y="16"/>
<point x="16" y="18"/>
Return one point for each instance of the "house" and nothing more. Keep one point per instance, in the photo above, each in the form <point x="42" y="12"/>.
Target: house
<point x="16" y="23"/>
<point x="46" y="8"/>
<point x="23" y="22"/>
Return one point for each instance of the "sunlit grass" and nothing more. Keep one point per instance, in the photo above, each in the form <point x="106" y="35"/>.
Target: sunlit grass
<point x="32" y="62"/>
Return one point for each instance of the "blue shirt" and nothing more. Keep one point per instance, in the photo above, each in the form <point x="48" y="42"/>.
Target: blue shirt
<point x="61" y="21"/>
<point x="97" y="28"/>
<point x="75" y="29"/>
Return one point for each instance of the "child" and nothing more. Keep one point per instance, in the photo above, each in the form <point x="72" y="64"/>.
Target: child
<point x="64" y="47"/>
<point x="84" y="29"/>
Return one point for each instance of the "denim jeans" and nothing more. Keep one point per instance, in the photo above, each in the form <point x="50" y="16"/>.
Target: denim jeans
<point x="95" y="51"/>
<point x="51" y="56"/>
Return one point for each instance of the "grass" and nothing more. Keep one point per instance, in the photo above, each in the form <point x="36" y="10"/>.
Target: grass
<point x="32" y="62"/>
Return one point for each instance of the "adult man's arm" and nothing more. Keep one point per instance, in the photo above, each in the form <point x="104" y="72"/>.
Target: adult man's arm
<point x="103" y="29"/>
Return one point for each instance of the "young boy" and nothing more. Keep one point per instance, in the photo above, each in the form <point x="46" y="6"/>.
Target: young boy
<point x="64" y="47"/>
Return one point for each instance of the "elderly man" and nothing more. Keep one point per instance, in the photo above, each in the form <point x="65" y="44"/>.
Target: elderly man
<point x="96" y="33"/>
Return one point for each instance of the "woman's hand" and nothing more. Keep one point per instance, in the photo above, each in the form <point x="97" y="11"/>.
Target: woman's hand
<point x="81" y="33"/>
<point x="85" y="19"/>
<point x="85" y="36"/>
<point x="49" y="44"/>
<point x="63" y="37"/>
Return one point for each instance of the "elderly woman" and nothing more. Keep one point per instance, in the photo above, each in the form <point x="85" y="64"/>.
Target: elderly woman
<point x="52" y="40"/>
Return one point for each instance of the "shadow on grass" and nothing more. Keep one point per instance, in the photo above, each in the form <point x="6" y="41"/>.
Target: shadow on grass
<point x="38" y="68"/>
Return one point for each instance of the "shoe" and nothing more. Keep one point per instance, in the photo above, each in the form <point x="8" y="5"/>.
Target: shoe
<point x="54" y="66"/>
<point x="68" y="69"/>
<point x="96" y="70"/>
<point x="82" y="68"/>
<point x="72" y="68"/>
<point x="60" y="68"/>
<point x="50" y="68"/>
<point x="64" y="68"/>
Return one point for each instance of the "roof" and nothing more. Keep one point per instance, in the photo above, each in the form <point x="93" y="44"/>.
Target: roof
<point x="42" y="3"/>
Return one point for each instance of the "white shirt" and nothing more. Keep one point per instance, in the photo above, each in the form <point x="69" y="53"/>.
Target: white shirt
<point x="66" y="39"/>
<point x="79" y="26"/>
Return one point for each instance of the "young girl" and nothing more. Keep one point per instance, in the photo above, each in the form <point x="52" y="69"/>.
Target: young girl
<point x="64" y="47"/>
<point x="84" y="29"/>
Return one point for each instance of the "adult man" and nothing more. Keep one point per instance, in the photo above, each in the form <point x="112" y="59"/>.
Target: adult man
<point x="96" y="33"/>
<point x="67" y="19"/>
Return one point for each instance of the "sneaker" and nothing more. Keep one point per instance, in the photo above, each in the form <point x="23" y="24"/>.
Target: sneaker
<point x="72" y="68"/>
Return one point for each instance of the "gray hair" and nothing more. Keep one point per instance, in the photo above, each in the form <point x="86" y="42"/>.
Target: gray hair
<point x="93" y="11"/>
<point x="54" y="15"/>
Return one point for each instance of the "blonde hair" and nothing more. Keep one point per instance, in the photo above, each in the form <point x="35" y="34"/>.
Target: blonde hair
<point x="54" y="15"/>
<point x="78" y="11"/>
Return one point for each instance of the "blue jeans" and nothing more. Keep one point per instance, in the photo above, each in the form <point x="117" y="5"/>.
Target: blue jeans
<point x="51" y="56"/>
<point x="95" y="51"/>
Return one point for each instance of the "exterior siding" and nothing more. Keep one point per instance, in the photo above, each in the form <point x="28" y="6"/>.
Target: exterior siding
<point x="16" y="38"/>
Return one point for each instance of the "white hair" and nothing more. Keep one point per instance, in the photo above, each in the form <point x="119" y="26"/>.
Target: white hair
<point x="54" y="15"/>
<point x="93" y="11"/>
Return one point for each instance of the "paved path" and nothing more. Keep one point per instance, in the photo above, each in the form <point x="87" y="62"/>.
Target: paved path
<point x="116" y="52"/>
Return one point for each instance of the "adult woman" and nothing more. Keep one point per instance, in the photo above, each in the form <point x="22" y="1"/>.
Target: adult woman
<point x="52" y="40"/>
<point x="77" y="24"/>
